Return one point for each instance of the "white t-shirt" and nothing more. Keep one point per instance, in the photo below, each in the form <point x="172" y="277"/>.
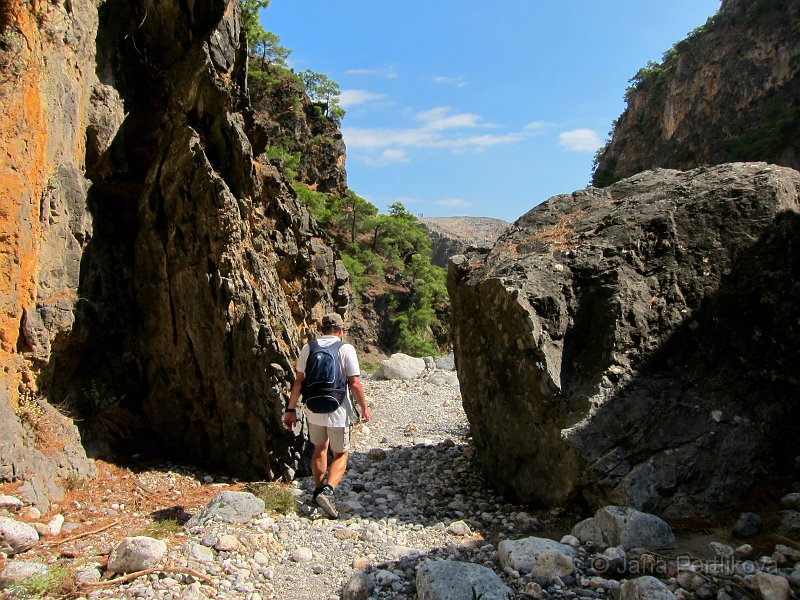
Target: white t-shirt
<point x="344" y="415"/>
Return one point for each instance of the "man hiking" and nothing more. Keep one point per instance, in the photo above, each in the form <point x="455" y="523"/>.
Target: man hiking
<point x="330" y="426"/>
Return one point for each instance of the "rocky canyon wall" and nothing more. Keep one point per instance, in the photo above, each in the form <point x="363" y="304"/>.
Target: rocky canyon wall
<point x="159" y="277"/>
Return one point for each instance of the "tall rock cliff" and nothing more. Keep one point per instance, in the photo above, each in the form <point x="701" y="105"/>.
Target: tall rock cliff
<point x="283" y="118"/>
<point x="158" y="278"/>
<point x="729" y="92"/>
<point x="637" y="344"/>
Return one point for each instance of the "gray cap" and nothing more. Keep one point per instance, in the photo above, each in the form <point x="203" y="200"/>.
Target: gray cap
<point x="332" y="320"/>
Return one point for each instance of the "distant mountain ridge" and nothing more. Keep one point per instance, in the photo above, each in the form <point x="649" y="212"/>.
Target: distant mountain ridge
<point x="453" y="235"/>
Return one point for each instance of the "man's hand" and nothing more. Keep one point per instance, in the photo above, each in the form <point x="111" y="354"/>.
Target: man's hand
<point x="289" y="419"/>
<point x="357" y="391"/>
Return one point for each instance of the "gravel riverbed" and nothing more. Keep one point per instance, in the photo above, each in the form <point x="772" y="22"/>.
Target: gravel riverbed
<point x="413" y="504"/>
<point x="412" y="491"/>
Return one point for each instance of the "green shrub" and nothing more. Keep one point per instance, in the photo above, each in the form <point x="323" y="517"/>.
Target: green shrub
<point x="653" y="76"/>
<point x="289" y="162"/>
<point x="710" y="24"/>
<point x="415" y="336"/>
<point x="262" y="82"/>
<point x="361" y="264"/>
<point x="376" y="247"/>
<point x="317" y="203"/>
<point x="162" y="528"/>
<point x="51" y="584"/>
<point x="416" y="343"/>
<point x="276" y="497"/>
<point x="356" y="269"/>
<point x="105" y="414"/>
<point x="780" y="129"/>
<point x="369" y="368"/>
<point x="284" y="89"/>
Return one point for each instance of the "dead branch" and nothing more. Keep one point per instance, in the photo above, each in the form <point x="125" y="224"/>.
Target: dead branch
<point x="785" y="541"/>
<point x="135" y="575"/>
<point x="143" y="487"/>
<point x="80" y="535"/>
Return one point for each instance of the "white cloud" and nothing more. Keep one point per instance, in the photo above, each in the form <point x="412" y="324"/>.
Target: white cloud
<point x="383" y="72"/>
<point x="479" y="141"/>
<point x="438" y="118"/>
<point x="537" y="126"/>
<point x="353" y="97"/>
<point x="439" y="128"/>
<point x="383" y="138"/>
<point x="390" y="156"/>
<point x="373" y="139"/>
<point x="454" y="81"/>
<point x="580" y="140"/>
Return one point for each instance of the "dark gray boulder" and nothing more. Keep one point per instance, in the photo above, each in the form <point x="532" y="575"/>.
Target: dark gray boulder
<point x="748" y="525"/>
<point x="645" y="587"/>
<point x="625" y="527"/>
<point x="636" y="345"/>
<point x="229" y="507"/>
<point x="443" y="579"/>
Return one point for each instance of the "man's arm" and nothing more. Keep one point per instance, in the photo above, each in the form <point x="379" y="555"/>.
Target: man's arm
<point x="356" y="389"/>
<point x="290" y="417"/>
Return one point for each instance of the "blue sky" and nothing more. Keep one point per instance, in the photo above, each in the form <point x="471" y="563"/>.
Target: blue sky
<point x="477" y="108"/>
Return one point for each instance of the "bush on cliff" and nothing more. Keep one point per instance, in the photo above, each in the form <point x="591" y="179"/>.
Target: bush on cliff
<point x="387" y="248"/>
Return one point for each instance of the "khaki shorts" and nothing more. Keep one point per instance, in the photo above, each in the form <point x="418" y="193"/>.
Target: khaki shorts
<point x="338" y="436"/>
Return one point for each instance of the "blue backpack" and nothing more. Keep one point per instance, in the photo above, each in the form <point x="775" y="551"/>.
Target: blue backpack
<point x="325" y="386"/>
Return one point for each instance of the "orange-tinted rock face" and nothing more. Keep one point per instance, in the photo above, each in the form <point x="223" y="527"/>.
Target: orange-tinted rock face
<point x="144" y="251"/>
<point x="23" y="138"/>
<point x="46" y="72"/>
<point x="48" y="75"/>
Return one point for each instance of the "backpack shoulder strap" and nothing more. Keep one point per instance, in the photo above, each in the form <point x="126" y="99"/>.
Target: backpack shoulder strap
<point x="334" y="348"/>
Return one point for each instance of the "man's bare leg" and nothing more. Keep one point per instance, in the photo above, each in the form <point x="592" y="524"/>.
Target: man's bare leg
<point x="319" y="464"/>
<point x="338" y="467"/>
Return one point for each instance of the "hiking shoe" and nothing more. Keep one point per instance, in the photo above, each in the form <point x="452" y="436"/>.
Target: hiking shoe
<point x="325" y="501"/>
